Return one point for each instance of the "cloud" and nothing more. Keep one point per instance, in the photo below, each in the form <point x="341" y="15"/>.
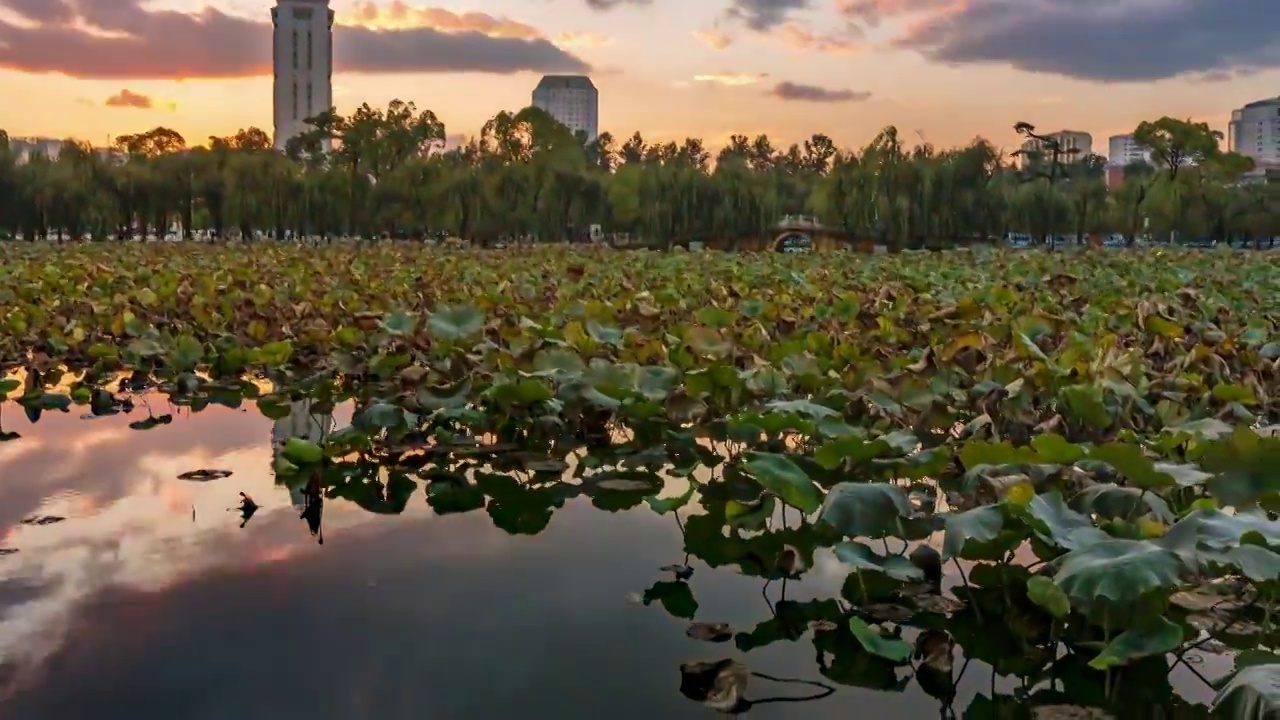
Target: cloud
<point x="873" y="12"/>
<point x="713" y="39"/>
<point x="813" y="93"/>
<point x="398" y="15"/>
<point x="122" y="39"/>
<point x="611" y="4"/>
<point x="129" y="99"/>
<point x="798" y="35"/>
<point x="764" y="15"/>
<point x="1102" y="40"/>
<point x="587" y="40"/>
<point x="730" y="79"/>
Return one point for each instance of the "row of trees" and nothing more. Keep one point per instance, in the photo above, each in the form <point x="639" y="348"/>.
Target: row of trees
<point x="526" y="175"/>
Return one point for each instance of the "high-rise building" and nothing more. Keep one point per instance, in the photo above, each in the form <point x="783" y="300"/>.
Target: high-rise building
<point x="24" y="149"/>
<point x="302" y="58"/>
<point x="1124" y="150"/>
<point x="299" y="423"/>
<point x="1254" y="131"/>
<point x="571" y="99"/>
<point x="1076" y="144"/>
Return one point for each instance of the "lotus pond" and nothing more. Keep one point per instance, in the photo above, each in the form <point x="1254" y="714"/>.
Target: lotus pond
<point x="394" y="481"/>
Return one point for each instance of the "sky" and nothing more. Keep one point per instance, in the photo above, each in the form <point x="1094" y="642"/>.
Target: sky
<point x="943" y="70"/>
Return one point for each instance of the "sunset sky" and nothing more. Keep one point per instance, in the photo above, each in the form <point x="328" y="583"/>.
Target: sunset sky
<point x="947" y="69"/>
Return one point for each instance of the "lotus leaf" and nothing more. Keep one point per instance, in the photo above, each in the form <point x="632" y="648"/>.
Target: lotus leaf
<point x="1118" y="570"/>
<point x="784" y="478"/>
<point x="892" y="649"/>
<point x="1151" y="636"/>
<point x="1042" y="592"/>
<point x="979" y="525"/>
<point x="865" y="559"/>
<point x="866" y="510"/>
<point x="1251" y="694"/>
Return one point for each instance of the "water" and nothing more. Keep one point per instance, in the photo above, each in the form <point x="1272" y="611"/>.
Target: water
<point x="150" y="601"/>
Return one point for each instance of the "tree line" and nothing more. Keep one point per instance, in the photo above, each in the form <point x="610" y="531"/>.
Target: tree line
<point x="527" y="176"/>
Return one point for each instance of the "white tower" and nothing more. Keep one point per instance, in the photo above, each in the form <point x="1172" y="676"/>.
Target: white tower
<point x="302" y="56"/>
<point x="571" y="99"/>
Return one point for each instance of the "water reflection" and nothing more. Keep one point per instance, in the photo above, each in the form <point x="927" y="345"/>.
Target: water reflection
<point x="486" y="598"/>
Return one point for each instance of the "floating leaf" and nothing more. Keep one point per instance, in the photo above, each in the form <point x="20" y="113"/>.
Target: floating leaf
<point x="710" y="632"/>
<point x="785" y="479"/>
<point x="874" y="642"/>
<point x="204" y="475"/>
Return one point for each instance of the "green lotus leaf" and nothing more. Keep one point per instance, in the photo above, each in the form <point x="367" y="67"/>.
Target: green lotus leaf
<point x="1256" y="563"/>
<point x="866" y="510"/>
<point x="1143" y="472"/>
<point x="676" y="597"/>
<point x="1055" y="449"/>
<point x="979" y="525"/>
<point x="455" y="322"/>
<point x="865" y="559"/>
<point x="782" y="477"/>
<point x="1118" y="570"/>
<point x="1043" y="592"/>
<point x="835" y="453"/>
<point x="1244" y="465"/>
<point x="300" y="451"/>
<point x="662" y="506"/>
<point x="399" y="323"/>
<point x="1058" y="525"/>
<point x="1251" y="694"/>
<point x="871" y="639"/>
<point x="1151" y="636"/>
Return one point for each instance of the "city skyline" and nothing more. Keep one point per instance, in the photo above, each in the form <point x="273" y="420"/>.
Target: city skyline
<point x="733" y="66"/>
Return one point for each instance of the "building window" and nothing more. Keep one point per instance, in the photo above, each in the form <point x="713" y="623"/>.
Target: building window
<point x="310" y="51"/>
<point x="295" y="49"/>
<point x="295" y="99"/>
<point x="310" y="111"/>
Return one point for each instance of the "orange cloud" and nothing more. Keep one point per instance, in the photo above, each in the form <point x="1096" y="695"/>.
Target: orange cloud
<point x="401" y="16"/>
<point x="800" y="36"/>
<point x="589" y="40"/>
<point x="730" y="79"/>
<point x="129" y="99"/>
<point x="713" y="39"/>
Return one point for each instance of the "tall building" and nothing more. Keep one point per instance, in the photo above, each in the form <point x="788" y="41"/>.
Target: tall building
<point x="24" y="149"/>
<point x="1068" y="140"/>
<point x="302" y="58"/>
<point x="1254" y="131"/>
<point x="571" y="99"/>
<point x="1124" y="150"/>
<point x="300" y="423"/>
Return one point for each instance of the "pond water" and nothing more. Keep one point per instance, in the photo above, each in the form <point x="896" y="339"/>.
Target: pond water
<point x="149" y="600"/>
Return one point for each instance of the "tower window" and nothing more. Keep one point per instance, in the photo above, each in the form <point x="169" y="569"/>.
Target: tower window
<point x="310" y="111"/>
<point x="295" y="49"/>
<point x="295" y="99"/>
<point x="310" y="51"/>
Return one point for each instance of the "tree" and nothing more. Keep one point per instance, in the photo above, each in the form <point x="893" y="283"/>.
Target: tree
<point x="527" y="177"/>
<point x="1175" y="143"/>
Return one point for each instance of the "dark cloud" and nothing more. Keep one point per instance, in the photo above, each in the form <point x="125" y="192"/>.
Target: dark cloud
<point x="138" y="43"/>
<point x="765" y="14"/>
<point x="1105" y="40"/>
<point x="813" y="93"/>
<point x="129" y="99"/>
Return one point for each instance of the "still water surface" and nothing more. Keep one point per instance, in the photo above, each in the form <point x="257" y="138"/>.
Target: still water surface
<point x="150" y="601"/>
